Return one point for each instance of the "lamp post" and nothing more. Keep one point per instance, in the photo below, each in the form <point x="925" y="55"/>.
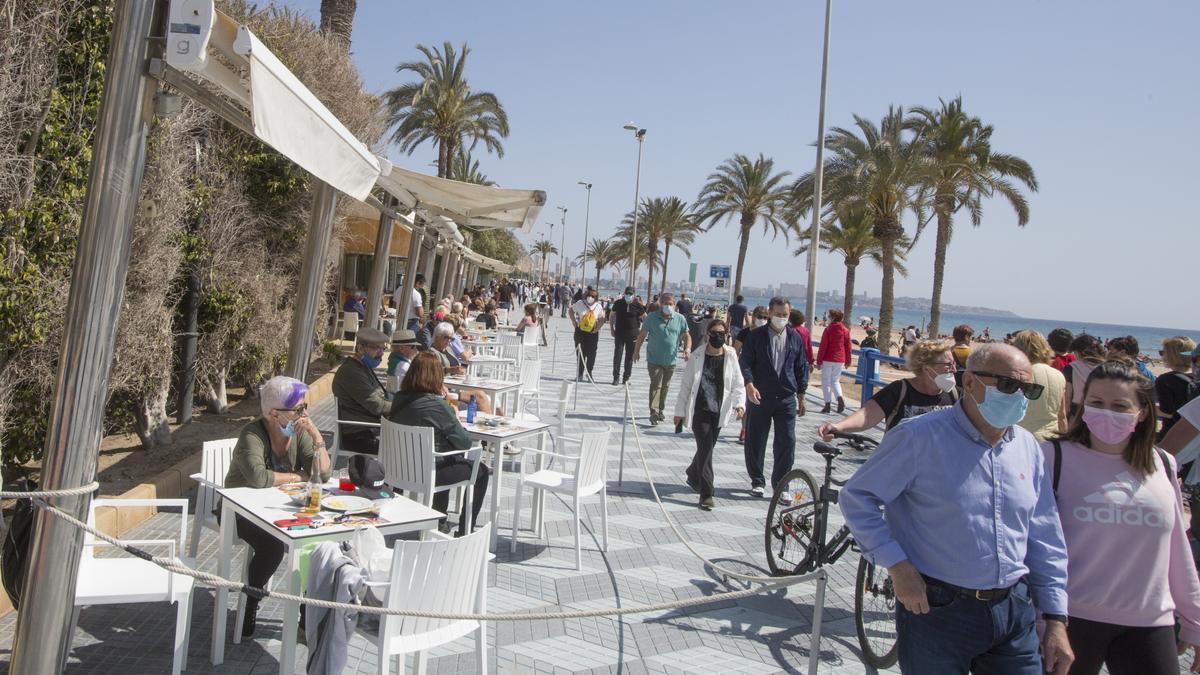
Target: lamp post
<point x="587" y="215"/>
<point x="640" y="134"/>
<point x="562" y="248"/>
<point x="810" y="301"/>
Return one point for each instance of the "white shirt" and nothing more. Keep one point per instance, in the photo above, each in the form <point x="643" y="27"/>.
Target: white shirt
<point x="416" y="302"/>
<point x="580" y="308"/>
<point x="778" y="344"/>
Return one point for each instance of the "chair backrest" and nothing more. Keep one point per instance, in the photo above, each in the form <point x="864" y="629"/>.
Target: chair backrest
<point x="502" y="316"/>
<point x="179" y="537"/>
<point x="215" y="459"/>
<point x="407" y="456"/>
<point x="531" y="374"/>
<point x="564" y="399"/>
<point x="350" y="322"/>
<point x="593" y="460"/>
<point x="529" y="338"/>
<point x="437" y="575"/>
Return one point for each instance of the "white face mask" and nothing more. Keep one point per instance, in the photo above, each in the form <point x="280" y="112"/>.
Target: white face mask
<point x="759" y="323"/>
<point x="945" y="382"/>
<point x="778" y="322"/>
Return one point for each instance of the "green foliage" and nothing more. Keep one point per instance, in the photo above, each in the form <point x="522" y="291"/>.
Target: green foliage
<point x="499" y="244"/>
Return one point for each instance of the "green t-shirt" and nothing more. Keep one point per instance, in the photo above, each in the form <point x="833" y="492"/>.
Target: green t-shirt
<point x="254" y="465"/>
<point x="662" y="337"/>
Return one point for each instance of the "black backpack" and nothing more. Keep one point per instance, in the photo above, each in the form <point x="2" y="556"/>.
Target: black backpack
<point x="14" y="558"/>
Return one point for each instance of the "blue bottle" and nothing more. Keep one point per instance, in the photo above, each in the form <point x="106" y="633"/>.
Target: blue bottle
<point x="472" y="406"/>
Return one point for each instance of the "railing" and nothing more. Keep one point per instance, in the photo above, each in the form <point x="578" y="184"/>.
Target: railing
<point x="867" y="373"/>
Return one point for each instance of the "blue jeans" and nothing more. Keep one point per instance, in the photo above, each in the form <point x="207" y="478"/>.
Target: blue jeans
<point x="780" y="412"/>
<point x="961" y="635"/>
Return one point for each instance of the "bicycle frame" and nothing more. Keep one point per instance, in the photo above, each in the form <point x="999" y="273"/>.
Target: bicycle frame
<point x="825" y="552"/>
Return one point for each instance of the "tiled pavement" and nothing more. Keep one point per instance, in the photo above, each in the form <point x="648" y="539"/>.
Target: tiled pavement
<point x="645" y="564"/>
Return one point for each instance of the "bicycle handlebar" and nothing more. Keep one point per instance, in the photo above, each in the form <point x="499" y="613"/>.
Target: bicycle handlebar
<point x="856" y="438"/>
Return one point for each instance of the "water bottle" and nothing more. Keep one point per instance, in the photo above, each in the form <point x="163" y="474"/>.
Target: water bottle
<point x="472" y="406"/>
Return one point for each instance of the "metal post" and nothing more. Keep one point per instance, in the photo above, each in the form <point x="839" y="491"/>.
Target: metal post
<point x="43" y="633"/>
<point x="637" y="196"/>
<point x="587" y="217"/>
<point x="810" y="302"/>
<point x="814" y="648"/>
<point x="312" y="278"/>
<point x="191" y="311"/>
<point x="624" y="426"/>
<point x="379" y="266"/>
<point x="430" y="259"/>
<point x="416" y="237"/>
<point x="562" y="251"/>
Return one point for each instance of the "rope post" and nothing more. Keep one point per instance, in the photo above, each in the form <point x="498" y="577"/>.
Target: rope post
<point x="624" y="426"/>
<point x="814" y="649"/>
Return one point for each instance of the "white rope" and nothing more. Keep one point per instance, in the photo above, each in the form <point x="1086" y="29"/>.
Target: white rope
<point x="50" y="494"/>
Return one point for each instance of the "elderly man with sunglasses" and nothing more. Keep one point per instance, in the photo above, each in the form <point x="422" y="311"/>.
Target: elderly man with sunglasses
<point x="361" y="397"/>
<point x="971" y="536"/>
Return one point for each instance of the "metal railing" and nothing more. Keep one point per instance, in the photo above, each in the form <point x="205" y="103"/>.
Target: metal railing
<point x="867" y="372"/>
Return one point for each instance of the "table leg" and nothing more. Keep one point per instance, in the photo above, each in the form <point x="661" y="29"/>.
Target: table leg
<point x="497" y="475"/>
<point x="291" y="614"/>
<point x="538" y="511"/>
<point x="224" y="562"/>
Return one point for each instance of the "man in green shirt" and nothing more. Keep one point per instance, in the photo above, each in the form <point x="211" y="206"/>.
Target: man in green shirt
<point x="360" y="395"/>
<point x="662" y="331"/>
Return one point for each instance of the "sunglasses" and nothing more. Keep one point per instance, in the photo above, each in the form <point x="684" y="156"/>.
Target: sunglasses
<point x="301" y="409"/>
<point x="721" y="334"/>
<point x="1010" y="385"/>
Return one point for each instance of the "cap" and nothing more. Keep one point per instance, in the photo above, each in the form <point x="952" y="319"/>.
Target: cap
<point x="371" y="336"/>
<point x="630" y="289"/>
<point x="367" y="475"/>
<point x="405" y="337"/>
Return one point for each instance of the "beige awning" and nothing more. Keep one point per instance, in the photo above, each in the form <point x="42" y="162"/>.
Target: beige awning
<point x="469" y="205"/>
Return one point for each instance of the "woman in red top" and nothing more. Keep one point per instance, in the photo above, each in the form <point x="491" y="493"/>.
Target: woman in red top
<point x="832" y="356"/>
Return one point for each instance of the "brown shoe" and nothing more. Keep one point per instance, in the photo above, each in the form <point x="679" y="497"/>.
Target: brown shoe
<point x="826" y="409"/>
<point x="841" y="405"/>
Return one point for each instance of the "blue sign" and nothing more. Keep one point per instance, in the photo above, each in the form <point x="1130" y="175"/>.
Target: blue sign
<point x="719" y="271"/>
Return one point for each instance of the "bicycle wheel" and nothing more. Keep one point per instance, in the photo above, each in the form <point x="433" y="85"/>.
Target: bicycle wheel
<point x="875" y="615"/>
<point x="791" y="525"/>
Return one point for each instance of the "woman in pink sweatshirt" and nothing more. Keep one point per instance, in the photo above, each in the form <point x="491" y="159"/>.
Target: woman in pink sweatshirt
<point x="1130" y="572"/>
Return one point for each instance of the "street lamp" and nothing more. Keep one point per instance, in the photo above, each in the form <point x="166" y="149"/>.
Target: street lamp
<point x="810" y="301"/>
<point x="562" y="251"/>
<point x="545" y="269"/>
<point x="587" y="215"/>
<point x="640" y="134"/>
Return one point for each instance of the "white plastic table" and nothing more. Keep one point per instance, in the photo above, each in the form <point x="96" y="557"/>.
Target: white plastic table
<point x="480" y="361"/>
<point x="263" y="507"/>
<point x="494" y="388"/>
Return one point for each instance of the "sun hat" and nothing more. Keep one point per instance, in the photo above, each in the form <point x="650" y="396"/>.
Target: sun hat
<point x="405" y="337"/>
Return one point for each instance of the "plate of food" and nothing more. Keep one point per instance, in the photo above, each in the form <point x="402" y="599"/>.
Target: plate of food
<point x="347" y="504"/>
<point x="297" y="492"/>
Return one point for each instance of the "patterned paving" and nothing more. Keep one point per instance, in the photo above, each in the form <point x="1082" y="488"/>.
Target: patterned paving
<point x="645" y="564"/>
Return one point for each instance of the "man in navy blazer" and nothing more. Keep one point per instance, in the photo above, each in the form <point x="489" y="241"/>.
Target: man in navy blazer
<point x="773" y="366"/>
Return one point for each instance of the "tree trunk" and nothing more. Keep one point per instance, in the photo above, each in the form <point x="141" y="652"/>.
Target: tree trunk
<point x="848" y="303"/>
<point x="216" y="396"/>
<point x="598" y="268"/>
<point x="944" y="230"/>
<point x="886" y="293"/>
<point x="666" y="256"/>
<point x="337" y="20"/>
<point x="150" y="418"/>
<point x="747" y="223"/>
<point x="651" y="254"/>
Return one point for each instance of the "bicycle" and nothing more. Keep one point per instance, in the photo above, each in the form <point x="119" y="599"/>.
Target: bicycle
<point x="796" y="543"/>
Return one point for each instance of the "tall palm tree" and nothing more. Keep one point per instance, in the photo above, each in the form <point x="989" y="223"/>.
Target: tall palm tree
<point x="882" y="171"/>
<point x="440" y="107"/>
<point x="749" y="191"/>
<point x="465" y="169"/>
<point x="965" y="171"/>
<point x="601" y="252"/>
<point x="544" y="247"/>
<point x="337" y="20"/>
<point x="678" y="230"/>
<point x="850" y="233"/>
<point x="651" y="226"/>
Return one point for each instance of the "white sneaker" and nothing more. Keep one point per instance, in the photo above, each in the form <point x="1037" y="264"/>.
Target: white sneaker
<point x="757" y="491"/>
<point x="785" y="498"/>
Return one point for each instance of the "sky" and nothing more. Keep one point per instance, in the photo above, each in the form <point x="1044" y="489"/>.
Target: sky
<point x="1099" y="96"/>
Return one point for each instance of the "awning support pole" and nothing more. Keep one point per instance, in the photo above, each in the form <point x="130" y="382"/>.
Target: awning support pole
<point x="379" y="267"/>
<point x="431" y="258"/>
<point x="312" y="278"/>
<point x="410" y="274"/>
<point x="43" y="633"/>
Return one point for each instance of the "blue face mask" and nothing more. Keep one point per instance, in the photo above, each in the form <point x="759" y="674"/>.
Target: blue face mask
<point x="668" y="310"/>
<point x="1002" y="410"/>
<point x="628" y="298"/>
<point x="371" y="362"/>
<point x="289" y="429"/>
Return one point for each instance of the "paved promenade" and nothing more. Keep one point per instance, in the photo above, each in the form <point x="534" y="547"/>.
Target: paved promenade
<point x="645" y="564"/>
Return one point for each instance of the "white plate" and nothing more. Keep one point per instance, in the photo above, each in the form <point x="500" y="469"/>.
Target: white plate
<point x="347" y="503"/>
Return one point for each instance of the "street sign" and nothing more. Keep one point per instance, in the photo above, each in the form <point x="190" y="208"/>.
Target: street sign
<point x="719" y="271"/>
<point x="720" y="283"/>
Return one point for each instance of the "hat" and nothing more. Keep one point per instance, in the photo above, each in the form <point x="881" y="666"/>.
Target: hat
<point x="630" y="289"/>
<point x="405" y="337"/>
<point x="371" y="336"/>
<point x="367" y="475"/>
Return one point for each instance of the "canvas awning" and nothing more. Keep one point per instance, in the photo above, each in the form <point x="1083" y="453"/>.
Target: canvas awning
<point x="469" y="205"/>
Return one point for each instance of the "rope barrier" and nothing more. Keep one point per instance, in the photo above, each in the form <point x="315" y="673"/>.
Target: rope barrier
<point x="50" y="494"/>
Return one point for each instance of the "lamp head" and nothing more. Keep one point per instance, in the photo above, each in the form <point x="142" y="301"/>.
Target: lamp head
<point x="630" y="126"/>
<point x="585" y="184"/>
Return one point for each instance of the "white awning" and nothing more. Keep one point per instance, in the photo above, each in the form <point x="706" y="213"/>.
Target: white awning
<point x="285" y="114"/>
<point x="469" y="205"/>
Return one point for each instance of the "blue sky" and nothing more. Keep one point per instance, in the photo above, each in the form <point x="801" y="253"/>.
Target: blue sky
<point x="1098" y="96"/>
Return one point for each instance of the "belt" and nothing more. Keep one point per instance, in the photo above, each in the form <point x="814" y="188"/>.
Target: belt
<point x="983" y="595"/>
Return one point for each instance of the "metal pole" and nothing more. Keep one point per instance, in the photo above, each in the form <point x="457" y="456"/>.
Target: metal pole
<point x="43" y="633"/>
<point x="431" y="258"/>
<point x="587" y="217"/>
<point x="312" y="278"/>
<point x="810" y="303"/>
<point x="191" y="312"/>
<point x="379" y="266"/>
<point x="637" y="196"/>
<point x="624" y="426"/>
<point x="562" y="254"/>
<point x="814" y="648"/>
<point x="416" y="237"/>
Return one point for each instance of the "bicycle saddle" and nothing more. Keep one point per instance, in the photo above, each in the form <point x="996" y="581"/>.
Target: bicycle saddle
<point x="826" y="449"/>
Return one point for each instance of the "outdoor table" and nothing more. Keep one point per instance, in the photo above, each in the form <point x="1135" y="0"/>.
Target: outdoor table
<point x="263" y="507"/>
<point x="488" y="360"/>
<point x="495" y="388"/>
<point x="496" y="437"/>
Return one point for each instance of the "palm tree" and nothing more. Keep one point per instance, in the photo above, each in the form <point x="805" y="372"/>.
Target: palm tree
<point x="850" y="234"/>
<point x="545" y="248"/>
<point x="749" y="191"/>
<point x="441" y="108"/>
<point x="964" y="172"/>
<point x="650" y="230"/>
<point x="678" y="230"/>
<point x="882" y="172"/>
<point x="337" y="20"/>
<point x="603" y="253"/>
<point x="465" y="169"/>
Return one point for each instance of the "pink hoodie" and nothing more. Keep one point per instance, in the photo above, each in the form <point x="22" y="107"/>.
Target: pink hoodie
<point x="1128" y="558"/>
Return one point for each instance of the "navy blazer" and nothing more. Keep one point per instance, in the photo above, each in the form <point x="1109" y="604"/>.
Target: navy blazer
<point x="758" y="367"/>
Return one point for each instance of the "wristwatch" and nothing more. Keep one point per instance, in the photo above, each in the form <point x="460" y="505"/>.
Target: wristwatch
<point x="1061" y="618"/>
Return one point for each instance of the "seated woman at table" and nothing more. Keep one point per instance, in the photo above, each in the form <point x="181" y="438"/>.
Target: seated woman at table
<point x="421" y="402"/>
<point x="443" y="339"/>
<point x="529" y="320"/>
<point x="278" y="448"/>
<point x="488" y="318"/>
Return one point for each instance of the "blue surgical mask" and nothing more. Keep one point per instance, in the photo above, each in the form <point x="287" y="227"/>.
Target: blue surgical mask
<point x="668" y="310"/>
<point x="289" y="429"/>
<point x="371" y="362"/>
<point x="628" y="297"/>
<point x="1002" y="410"/>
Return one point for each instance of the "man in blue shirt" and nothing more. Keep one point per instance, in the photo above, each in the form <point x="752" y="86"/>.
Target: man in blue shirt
<point x="773" y="366"/>
<point x="662" y="331"/>
<point x="971" y="536"/>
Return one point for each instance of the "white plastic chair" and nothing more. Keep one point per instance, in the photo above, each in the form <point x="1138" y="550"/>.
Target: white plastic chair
<point x="531" y="376"/>
<point x="129" y="580"/>
<point x="349" y="323"/>
<point x="409" y="464"/>
<point x="588" y="478"/>
<point x="214" y="464"/>
<point x="336" y="451"/>
<point x="433" y="575"/>
<point x="529" y="344"/>
<point x="509" y="345"/>
<point x="502" y="316"/>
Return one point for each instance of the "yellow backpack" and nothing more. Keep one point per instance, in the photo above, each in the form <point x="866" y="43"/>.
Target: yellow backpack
<point x="587" y="322"/>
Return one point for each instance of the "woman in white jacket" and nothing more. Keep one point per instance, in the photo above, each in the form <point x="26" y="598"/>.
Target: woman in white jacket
<point x="711" y="386"/>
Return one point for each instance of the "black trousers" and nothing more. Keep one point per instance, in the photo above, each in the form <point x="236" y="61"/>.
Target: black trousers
<point x="1126" y="650"/>
<point x="587" y="343"/>
<point x="455" y="470"/>
<point x="700" y="472"/>
<point x="623" y="347"/>
<point x="266" y="553"/>
<point x="779" y="413"/>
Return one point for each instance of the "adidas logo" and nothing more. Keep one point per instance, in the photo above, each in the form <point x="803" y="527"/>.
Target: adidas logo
<point x="1114" y="505"/>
